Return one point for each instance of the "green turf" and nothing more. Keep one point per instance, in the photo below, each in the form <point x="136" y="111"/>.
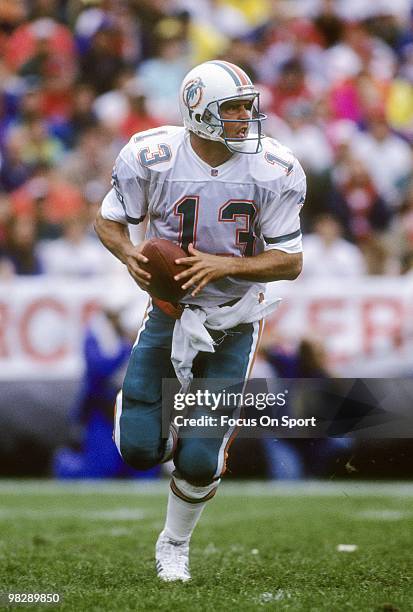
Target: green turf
<point x="256" y="547"/>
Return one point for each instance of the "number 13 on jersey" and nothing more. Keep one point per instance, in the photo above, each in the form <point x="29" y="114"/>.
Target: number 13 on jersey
<point x="232" y="211"/>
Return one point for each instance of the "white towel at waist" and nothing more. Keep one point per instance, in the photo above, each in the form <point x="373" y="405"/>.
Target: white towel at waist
<point x="191" y="336"/>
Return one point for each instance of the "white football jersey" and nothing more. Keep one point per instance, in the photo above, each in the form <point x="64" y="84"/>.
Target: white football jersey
<point x="249" y="204"/>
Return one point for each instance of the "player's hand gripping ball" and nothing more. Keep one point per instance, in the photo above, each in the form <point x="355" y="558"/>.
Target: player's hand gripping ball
<point x="161" y="265"/>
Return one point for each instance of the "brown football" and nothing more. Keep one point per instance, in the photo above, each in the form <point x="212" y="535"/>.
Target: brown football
<point x="161" y="254"/>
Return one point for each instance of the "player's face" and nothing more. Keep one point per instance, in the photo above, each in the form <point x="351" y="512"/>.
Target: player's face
<point x="236" y="110"/>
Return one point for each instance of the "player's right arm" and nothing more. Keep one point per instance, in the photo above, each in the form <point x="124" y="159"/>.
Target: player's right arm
<point x="115" y="237"/>
<point x="125" y="203"/>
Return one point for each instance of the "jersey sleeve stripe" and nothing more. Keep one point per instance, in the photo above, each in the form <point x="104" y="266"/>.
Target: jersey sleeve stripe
<point x="285" y="238"/>
<point x="134" y="220"/>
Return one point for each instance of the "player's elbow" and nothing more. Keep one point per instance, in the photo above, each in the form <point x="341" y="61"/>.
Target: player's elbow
<point x="102" y="227"/>
<point x="98" y="223"/>
<point x="295" y="265"/>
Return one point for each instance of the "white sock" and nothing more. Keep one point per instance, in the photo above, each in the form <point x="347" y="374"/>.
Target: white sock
<point x="181" y="518"/>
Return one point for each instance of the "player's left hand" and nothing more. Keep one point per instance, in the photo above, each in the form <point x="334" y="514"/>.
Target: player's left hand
<point x="202" y="269"/>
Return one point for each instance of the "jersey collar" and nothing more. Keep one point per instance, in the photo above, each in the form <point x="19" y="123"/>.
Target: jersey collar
<point x="211" y="171"/>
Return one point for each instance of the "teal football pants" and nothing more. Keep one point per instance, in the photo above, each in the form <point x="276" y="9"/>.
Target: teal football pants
<point x="198" y="460"/>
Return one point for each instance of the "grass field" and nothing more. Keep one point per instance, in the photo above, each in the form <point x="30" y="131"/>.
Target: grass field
<point x="258" y="546"/>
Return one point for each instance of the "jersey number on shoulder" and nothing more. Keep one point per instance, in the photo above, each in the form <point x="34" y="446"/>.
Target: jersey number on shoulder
<point x="230" y="212"/>
<point x="149" y="156"/>
<point x="275" y="160"/>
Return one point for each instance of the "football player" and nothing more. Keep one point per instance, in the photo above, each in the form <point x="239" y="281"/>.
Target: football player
<point x="231" y="198"/>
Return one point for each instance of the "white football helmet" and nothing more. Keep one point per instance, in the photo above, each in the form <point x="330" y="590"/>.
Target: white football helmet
<point x="204" y="89"/>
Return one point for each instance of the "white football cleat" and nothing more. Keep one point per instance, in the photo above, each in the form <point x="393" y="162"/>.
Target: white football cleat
<point x="172" y="559"/>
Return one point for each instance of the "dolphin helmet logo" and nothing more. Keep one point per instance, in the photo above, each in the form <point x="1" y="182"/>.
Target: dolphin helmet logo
<point x="192" y="93"/>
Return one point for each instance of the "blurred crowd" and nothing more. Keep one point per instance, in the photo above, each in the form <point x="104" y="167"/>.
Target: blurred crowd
<point x="79" y="77"/>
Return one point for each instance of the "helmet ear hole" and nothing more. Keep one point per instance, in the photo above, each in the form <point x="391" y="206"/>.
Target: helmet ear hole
<point x="197" y="118"/>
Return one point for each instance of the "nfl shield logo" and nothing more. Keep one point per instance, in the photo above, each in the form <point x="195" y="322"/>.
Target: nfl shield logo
<point x="214" y="172"/>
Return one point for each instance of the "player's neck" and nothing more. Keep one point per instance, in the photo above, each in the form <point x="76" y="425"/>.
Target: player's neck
<point x="211" y="152"/>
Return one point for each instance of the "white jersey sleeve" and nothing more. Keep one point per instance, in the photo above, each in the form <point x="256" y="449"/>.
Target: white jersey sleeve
<point x="280" y="217"/>
<point x="126" y="202"/>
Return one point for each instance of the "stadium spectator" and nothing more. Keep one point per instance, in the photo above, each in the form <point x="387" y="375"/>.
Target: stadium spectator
<point x="5" y="215"/>
<point x="303" y="136"/>
<point x="31" y="102"/>
<point x="399" y="238"/>
<point x="112" y="107"/>
<point x="44" y="49"/>
<point x="6" y="266"/>
<point x="358" y="50"/>
<point x="96" y="16"/>
<point x="107" y="343"/>
<point x="293" y="459"/>
<point x="328" y="255"/>
<point x="81" y="117"/>
<point x="47" y="198"/>
<point x="223" y="17"/>
<point x="356" y="97"/>
<point x="386" y="156"/>
<point x="124" y="107"/>
<point x="329" y="24"/>
<point x="102" y="62"/>
<point x="161" y="76"/>
<point x="139" y="117"/>
<point x="12" y="14"/>
<point x="407" y="264"/>
<point x="38" y="146"/>
<point x="22" y="246"/>
<point x="8" y="108"/>
<point x="355" y="202"/>
<point x="15" y="170"/>
<point x="202" y="40"/>
<point x="289" y="42"/>
<point x="292" y="87"/>
<point x="75" y="253"/>
<point x="399" y="105"/>
<point x="307" y="360"/>
<point x="377" y="255"/>
<point x="243" y="52"/>
<point x="148" y="14"/>
<point x="91" y="160"/>
<point x="36" y="41"/>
